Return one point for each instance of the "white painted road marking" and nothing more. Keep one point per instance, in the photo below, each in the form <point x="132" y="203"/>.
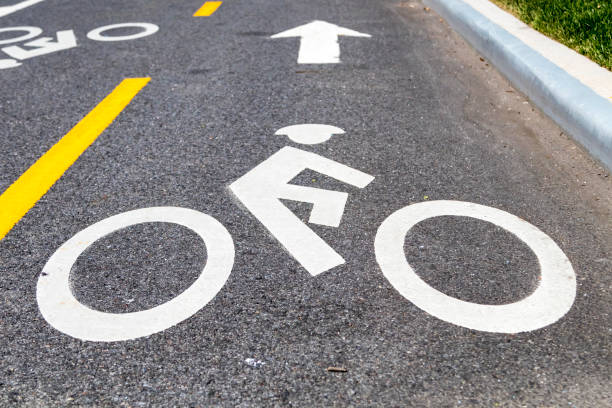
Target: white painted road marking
<point x="6" y="10"/>
<point x="65" y="40"/>
<point x="319" y="41"/>
<point x="261" y="189"/>
<point x="310" y="133"/>
<point x="8" y="63"/>
<point x="63" y="311"/>
<point x="551" y="300"/>
<point x="43" y="46"/>
<point x="31" y="33"/>
<point x="547" y="304"/>
<point x="148" y="29"/>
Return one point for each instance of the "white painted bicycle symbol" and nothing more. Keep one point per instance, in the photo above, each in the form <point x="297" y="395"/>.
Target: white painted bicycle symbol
<point x="261" y="190"/>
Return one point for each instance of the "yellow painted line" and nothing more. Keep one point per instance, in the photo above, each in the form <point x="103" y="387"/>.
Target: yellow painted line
<point x="207" y="9"/>
<point x="23" y="194"/>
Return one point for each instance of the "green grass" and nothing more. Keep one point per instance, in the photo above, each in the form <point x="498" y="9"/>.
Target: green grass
<point x="584" y="25"/>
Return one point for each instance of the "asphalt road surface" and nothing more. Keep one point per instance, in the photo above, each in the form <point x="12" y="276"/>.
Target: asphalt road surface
<point x="279" y="316"/>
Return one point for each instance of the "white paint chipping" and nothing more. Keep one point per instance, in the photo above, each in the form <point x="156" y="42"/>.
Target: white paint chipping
<point x="548" y="303"/>
<point x="147" y="29"/>
<point x="63" y="311"/>
<point x="6" y="10"/>
<point x="261" y="189"/>
<point x="42" y="46"/>
<point x="310" y="133"/>
<point x="319" y="41"/>
<point x="254" y="363"/>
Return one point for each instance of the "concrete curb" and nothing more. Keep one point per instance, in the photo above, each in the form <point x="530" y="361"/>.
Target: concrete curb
<point x="575" y="107"/>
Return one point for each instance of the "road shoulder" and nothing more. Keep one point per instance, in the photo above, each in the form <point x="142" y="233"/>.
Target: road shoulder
<point x="565" y="85"/>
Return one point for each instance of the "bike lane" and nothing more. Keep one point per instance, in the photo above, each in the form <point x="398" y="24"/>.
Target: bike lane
<point x="220" y="89"/>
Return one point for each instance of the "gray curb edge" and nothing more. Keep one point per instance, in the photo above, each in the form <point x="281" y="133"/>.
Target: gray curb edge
<point x="584" y="114"/>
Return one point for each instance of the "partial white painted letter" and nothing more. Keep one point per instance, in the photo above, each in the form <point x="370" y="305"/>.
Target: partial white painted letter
<point x="44" y="45"/>
<point x="31" y="32"/>
<point x="8" y="63"/>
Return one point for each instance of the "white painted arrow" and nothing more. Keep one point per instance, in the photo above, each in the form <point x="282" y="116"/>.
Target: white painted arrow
<point x="43" y="45"/>
<point x="319" y="41"/>
<point x="6" y="10"/>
